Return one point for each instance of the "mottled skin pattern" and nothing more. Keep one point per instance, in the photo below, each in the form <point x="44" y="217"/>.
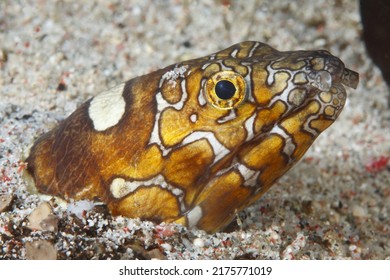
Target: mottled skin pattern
<point x="165" y="147"/>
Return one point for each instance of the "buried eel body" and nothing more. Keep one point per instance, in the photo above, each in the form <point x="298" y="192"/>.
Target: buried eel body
<point x="197" y="141"/>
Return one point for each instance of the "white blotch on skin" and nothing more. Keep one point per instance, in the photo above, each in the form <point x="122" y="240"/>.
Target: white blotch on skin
<point x="201" y="96"/>
<point x="219" y="149"/>
<point x="173" y="75"/>
<point x="271" y="74"/>
<point x="194" y="216"/>
<point x="107" y="108"/>
<point x="249" y="127"/>
<point x="234" y="53"/>
<point x="250" y="175"/>
<point x="307" y="127"/>
<point x="205" y="66"/>
<point x="120" y="188"/>
<point x="162" y="104"/>
<point x="253" y="49"/>
<point x="289" y="146"/>
<point x="193" y="118"/>
<point x="231" y="116"/>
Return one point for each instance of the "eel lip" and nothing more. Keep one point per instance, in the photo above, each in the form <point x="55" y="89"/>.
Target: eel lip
<point x="350" y="78"/>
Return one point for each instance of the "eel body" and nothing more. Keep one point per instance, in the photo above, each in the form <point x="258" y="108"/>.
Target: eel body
<point x="197" y="141"/>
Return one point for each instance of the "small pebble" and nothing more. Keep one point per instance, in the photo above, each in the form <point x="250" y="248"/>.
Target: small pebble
<point x="40" y="250"/>
<point x="198" y="242"/>
<point x="80" y="207"/>
<point x="156" y="254"/>
<point x="43" y="218"/>
<point x="3" y="56"/>
<point x="5" y="202"/>
<point x="359" y="212"/>
<point x="166" y="246"/>
<point x="187" y="243"/>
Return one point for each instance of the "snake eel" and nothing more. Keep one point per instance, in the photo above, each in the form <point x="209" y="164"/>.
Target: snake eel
<point x="197" y="141"/>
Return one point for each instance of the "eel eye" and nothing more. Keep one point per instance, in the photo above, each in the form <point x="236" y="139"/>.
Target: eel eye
<point x="225" y="90"/>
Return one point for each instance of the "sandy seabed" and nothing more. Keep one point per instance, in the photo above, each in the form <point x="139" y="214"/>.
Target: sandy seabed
<point x="54" y="55"/>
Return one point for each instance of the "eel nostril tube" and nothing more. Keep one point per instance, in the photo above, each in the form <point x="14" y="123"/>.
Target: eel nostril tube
<point x="350" y="78"/>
